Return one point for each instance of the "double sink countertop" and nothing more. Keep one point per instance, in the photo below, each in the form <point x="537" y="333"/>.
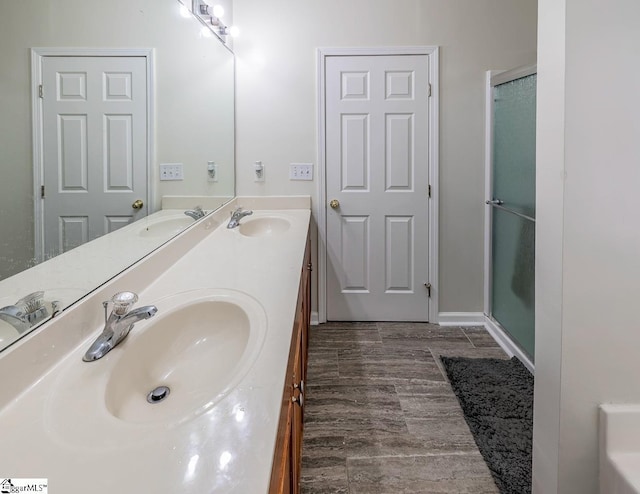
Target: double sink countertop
<point x="76" y="423"/>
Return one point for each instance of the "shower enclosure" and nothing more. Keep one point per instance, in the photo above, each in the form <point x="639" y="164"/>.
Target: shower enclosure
<point x="511" y="208"/>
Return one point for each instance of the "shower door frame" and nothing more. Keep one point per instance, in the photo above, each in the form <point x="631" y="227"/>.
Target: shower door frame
<point x="494" y="78"/>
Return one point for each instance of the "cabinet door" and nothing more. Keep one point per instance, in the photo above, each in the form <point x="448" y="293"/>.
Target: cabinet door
<point x="281" y="472"/>
<point x="296" y="419"/>
<point x="305" y="299"/>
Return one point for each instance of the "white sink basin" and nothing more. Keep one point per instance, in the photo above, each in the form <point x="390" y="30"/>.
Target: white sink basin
<point x="620" y="449"/>
<point x="196" y="351"/>
<point x="168" y="226"/>
<point x="200" y="345"/>
<point x="264" y="226"/>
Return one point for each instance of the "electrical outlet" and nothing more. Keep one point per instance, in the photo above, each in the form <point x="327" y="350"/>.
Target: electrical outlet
<point x="258" y="169"/>
<point x="171" y="171"/>
<point x="301" y="171"/>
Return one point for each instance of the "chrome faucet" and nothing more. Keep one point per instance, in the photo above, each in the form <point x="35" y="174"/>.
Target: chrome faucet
<point x="237" y="215"/>
<point x="195" y="213"/>
<point x="118" y="324"/>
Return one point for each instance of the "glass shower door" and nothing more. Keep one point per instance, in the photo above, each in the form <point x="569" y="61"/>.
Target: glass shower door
<point x="513" y="210"/>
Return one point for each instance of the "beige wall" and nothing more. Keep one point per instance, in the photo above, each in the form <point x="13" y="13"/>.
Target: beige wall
<point x="277" y="100"/>
<point x="588" y="239"/>
<point x="194" y="88"/>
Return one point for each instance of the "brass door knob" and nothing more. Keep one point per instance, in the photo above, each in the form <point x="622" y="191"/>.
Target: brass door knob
<point x="137" y="204"/>
<point x="334" y="203"/>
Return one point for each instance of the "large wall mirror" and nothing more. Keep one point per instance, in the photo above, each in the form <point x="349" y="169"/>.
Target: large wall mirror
<point x="187" y="115"/>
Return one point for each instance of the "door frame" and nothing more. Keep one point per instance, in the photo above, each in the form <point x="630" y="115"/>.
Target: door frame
<point x="494" y="78"/>
<point x="37" y="57"/>
<point x="433" y="164"/>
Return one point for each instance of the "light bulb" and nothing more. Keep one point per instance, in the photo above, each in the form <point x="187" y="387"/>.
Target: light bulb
<point x="206" y="32"/>
<point x="185" y="12"/>
<point x="218" y="11"/>
<point x="234" y="31"/>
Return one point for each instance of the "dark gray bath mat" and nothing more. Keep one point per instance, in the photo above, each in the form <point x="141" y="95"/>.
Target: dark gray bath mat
<point x="497" y="400"/>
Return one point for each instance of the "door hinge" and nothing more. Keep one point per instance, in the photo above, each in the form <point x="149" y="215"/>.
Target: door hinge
<point x="42" y="191"/>
<point x="429" y="90"/>
<point x="40" y="91"/>
<point x="429" y="191"/>
<point x="427" y="285"/>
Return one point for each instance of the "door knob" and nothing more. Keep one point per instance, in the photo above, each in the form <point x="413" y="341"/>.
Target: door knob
<point x="137" y="204"/>
<point x="334" y="203"/>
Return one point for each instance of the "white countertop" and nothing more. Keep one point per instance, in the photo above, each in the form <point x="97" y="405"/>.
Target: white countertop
<point x="227" y="448"/>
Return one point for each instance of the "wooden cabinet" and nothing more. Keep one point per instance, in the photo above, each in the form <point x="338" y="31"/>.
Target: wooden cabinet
<point x="287" y="461"/>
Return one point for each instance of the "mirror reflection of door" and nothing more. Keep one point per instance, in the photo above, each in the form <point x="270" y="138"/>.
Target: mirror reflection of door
<point x="94" y="138"/>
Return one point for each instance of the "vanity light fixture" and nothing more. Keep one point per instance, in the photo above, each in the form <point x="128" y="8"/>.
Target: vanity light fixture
<point x="232" y="31"/>
<point x="211" y="15"/>
<point x="218" y="10"/>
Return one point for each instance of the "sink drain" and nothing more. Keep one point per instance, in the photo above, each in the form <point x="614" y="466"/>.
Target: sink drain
<point x="158" y="394"/>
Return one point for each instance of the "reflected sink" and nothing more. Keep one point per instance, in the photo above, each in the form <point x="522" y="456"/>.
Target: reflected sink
<point x="168" y="226"/>
<point x="263" y="226"/>
<point x="200" y="345"/>
<point x="8" y="334"/>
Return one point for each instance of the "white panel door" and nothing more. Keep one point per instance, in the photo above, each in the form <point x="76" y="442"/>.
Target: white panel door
<point x="377" y="117"/>
<point x="94" y="114"/>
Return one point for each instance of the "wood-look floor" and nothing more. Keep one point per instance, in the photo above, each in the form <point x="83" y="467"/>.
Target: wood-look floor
<point x="380" y="415"/>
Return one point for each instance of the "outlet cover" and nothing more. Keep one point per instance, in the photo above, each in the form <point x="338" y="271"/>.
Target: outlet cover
<point x="301" y="171"/>
<point x="171" y="171"/>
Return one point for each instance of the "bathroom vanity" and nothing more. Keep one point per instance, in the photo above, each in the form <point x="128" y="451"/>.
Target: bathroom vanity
<point x="228" y="340"/>
<point x="287" y="459"/>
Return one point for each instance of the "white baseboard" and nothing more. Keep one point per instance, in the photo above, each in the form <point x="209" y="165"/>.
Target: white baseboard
<point x="315" y="320"/>
<point x="493" y="328"/>
<point x="510" y="348"/>
<point x="460" y="319"/>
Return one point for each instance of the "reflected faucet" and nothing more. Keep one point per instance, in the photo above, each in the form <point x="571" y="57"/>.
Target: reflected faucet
<point x="118" y="324"/>
<point x="26" y="312"/>
<point x="237" y="215"/>
<point x="195" y="213"/>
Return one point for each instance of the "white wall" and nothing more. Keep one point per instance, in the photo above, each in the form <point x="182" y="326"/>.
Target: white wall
<point x="193" y="96"/>
<point x="588" y="240"/>
<point x="549" y="234"/>
<point x="277" y="102"/>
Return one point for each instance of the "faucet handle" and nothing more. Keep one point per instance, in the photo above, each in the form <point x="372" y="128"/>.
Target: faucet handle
<point x="123" y="301"/>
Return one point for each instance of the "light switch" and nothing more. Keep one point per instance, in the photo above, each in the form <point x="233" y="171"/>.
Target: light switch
<point x="301" y="171"/>
<point x="171" y="171"/>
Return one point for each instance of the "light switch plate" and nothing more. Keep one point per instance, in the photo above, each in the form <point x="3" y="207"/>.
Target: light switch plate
<point x="171" y="171"/>
<point x="301" y="171"/>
